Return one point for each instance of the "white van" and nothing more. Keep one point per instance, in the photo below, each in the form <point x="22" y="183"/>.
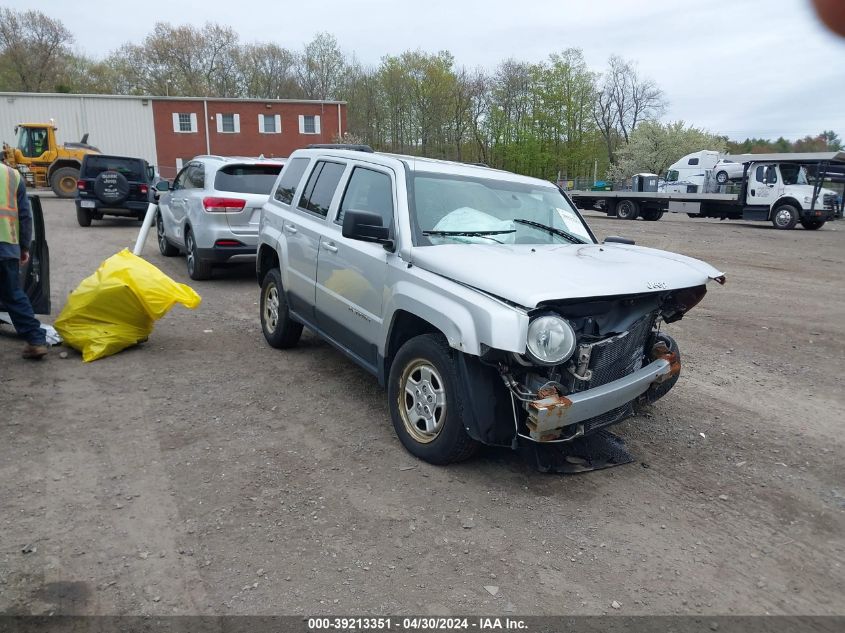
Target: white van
<point x="691" y="170"/>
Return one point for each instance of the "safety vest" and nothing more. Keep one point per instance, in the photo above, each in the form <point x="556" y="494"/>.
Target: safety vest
<point x="9" y="224"/>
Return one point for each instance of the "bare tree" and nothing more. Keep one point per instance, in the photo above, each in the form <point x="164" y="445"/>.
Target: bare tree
<point x="33" y="47"/>
<point x="461" y="102"/>
<point x="182" y="60"/>
<point x="624" y="99"/>
<point x="367" y="113"/>
<point x="480" y="113"/>
<point x="604" y="114"/>
<point x="321" y="67"/>
<point x="268" y="71"/>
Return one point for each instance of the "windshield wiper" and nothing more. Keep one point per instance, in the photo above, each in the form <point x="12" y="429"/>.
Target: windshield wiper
<point x="555" y="231"/>
<point x="486" y="234"/>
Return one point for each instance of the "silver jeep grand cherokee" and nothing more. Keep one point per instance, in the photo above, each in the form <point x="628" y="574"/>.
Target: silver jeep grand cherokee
<point x="479" y="297"/>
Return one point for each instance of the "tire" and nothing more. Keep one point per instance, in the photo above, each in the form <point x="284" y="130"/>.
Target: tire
<point x="424" y="379"/>
<point x="812" y="225"/>
<point x="652" y="215"/>
<point x="63" y="182"/>
<point x="627" y="210"/>
<point x="280" y="331"/>
<point x="722" y="178"/>
<point x="83" y="216"/>
<point x="198" y="269"/>
<point x="165" y="248"/>
<point x="785" y="217"/>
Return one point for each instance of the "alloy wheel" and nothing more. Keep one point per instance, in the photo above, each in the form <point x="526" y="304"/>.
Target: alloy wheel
<point x="271" y="307"/>
<point x="422" y="401"/>
<point x="189" y="243"/>
<point x="162" y="239"/>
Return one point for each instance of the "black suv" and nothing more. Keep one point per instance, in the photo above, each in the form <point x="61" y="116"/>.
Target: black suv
<point x="113" y="185"/>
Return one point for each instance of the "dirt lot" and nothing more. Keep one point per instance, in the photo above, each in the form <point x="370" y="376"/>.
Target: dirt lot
<point x="205" y="472"/>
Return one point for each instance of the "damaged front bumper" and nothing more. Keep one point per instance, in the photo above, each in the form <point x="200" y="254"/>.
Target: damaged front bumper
<point x="555" y="417"/>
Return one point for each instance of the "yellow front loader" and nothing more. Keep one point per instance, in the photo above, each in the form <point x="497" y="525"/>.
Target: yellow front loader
<point x="45" y="163"/>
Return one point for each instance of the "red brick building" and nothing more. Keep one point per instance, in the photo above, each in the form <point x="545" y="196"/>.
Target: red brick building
<point x="187" y="127"/>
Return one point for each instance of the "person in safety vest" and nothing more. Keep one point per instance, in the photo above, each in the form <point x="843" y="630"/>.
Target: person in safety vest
<point x="15" y="238"/>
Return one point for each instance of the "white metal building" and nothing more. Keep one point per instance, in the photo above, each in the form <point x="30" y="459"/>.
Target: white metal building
<point x="115" y="124"/>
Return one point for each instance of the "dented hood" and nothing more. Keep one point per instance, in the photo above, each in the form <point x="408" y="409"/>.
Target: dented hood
<point x="529" y="274"/>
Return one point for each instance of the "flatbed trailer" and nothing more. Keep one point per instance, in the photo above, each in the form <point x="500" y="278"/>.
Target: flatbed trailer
<point x="774" y="187"/>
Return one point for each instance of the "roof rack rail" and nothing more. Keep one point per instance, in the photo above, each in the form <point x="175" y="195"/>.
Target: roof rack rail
<point x="354" y="148"/>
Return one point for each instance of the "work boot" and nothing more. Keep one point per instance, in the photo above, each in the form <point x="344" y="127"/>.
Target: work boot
<point x="34" y="352"/>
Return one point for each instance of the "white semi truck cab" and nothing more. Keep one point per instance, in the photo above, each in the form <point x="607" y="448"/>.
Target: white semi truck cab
<point x="786" y="197"/>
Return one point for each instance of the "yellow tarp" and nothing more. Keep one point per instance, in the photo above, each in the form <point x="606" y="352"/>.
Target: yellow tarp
<point x="117" y="306"/>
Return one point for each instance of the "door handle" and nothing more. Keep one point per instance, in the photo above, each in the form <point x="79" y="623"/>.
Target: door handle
<point x="290" y="228"/>
<point x="330" y="246"/>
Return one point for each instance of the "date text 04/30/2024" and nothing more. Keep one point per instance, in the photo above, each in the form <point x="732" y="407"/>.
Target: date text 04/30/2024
<point x="414" y="624"/>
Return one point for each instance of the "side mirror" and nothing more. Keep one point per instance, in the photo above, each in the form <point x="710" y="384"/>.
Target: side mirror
<point x="162" y="185"/>
<point x="366" y="226"/>
<point x="613" y="239"/>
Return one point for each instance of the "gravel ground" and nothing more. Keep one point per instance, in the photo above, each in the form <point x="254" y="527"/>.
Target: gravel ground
<point x="204" y="472"/>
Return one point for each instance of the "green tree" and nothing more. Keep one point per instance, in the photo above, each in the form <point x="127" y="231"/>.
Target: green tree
<point x="832" y="140"/>
<point x="34" y="51"/>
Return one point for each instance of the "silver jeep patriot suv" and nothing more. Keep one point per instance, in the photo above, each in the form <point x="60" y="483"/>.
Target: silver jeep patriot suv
<point x="480" y="298"/>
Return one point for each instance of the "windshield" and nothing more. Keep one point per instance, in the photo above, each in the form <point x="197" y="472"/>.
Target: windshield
<point x="793" y="174"/>
<point x="131" y="168"/>
<point x="450" y="209"/>
<point x="247" y="178"/>
<point x="23" y="140"/>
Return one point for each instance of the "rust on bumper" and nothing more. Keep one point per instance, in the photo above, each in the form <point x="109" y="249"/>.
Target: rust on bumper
<point x="549" y="416"/>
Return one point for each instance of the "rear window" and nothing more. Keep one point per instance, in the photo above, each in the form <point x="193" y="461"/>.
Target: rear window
<point x="247" y="178"/>
<point x="131" y="168"/>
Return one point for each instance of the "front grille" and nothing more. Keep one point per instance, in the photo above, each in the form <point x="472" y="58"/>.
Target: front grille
<point x="829" y="200"/>
<point x="618" y="356"/>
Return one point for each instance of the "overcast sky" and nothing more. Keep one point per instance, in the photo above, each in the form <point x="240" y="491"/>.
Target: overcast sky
<point x="763" y="68"/>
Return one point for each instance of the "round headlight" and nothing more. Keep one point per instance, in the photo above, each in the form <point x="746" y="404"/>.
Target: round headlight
<point x="551" y="340"/>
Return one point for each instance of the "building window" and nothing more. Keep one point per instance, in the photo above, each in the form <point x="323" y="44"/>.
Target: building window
<point x="228" y="123"/>
<point x="269" y="124"/>
<point x="309" y="124"/>
<point x="184" y="122"/>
